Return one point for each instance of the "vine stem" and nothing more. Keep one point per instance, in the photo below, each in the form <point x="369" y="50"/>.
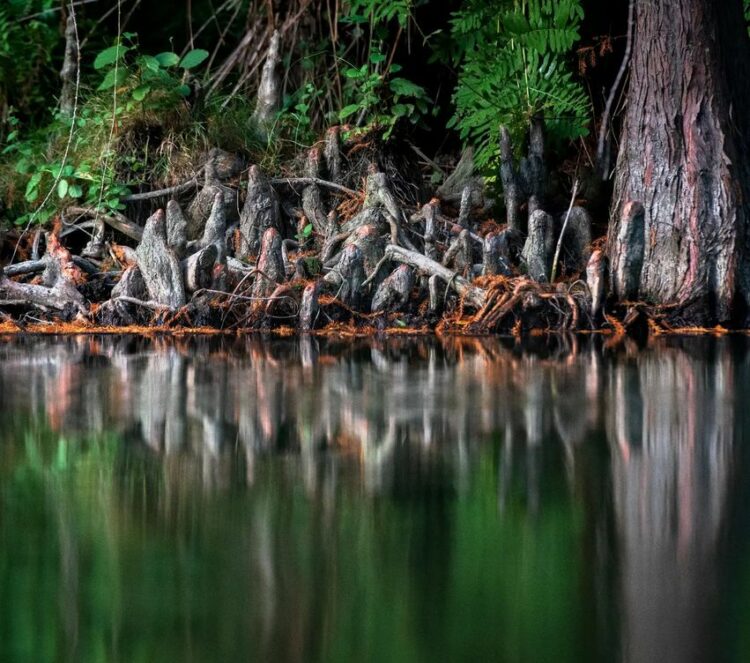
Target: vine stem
<point x="602" y="161"/>
<point x="562" y="233"/>
<point x="114" y="112"/>
<point x="73" y="118"/>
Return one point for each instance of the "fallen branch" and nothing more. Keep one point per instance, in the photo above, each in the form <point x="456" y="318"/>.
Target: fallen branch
<point x="472" y="294"/>
<point x="169" y="191"/>
<point x="314" y="180"/>
<point x="114" y="219"/>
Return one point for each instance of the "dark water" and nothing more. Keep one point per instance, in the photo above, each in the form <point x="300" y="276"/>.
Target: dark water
<point x="402" y="500"/>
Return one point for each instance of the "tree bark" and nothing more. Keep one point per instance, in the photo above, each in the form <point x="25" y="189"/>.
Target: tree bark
<point x="684" y="155"/>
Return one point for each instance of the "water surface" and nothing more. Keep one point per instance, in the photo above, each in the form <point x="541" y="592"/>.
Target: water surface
<point x="399" y="500"/>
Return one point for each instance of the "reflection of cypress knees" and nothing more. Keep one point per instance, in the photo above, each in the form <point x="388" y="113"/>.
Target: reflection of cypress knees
<point x="627" y="253"/>
<point x="159" y="265"/>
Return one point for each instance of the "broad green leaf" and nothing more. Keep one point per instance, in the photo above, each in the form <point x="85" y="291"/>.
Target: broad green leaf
<point x="140" y="93"/>
<point x="150" y="62"/>
<point x="109" y="56"/>
<point x="62" y="189"/>
<point x="346" y="111"/>
<point x="75" y="191"/>
<point x="168" y="59"/>
<point x="183" y="90"/>
<point x="193" y="58"/>
<point x="114" y="77"/>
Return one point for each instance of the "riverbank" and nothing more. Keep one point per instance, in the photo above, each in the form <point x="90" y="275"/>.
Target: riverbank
<point x="342" y="244"/>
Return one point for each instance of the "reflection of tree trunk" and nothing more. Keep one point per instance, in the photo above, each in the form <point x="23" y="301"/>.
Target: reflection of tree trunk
<point x="670" y="440"/>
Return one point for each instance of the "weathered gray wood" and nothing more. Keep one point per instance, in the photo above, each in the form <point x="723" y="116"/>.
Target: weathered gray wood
<point x="312" y="201"/>
<point x="436" y="292"/>
<point x="577" y="240"/>
<point x="348" y="275"/>
<point x="533" y="169"/>
<point x="95" y="247"/>
<point x="59" y="279"/>
<point x="509" y="178"/>
<point x="310" y="306"/>
<point x="198" y="269"/>
<point x="260" y="212"/>
<point x="537" y="250"/>
<point x="429" y="214"/>
<point x="159" y="265"/>
<point x="626" y="255"/>
<point x="332" y="154"/>
<point x="199" y="210"/>
<point x="214" y="233"/>
<point x="270" y="267"/>
<point x="464" y="213"/>
<point x="472" y="295"/>
<point x="369" y="216"/>
<point x="378" y="194"/>
<point x="69" y="67"/>
<point x="369" y="242"/>
<point x="114" y="219"/>
<point x="393" y="293"/>
<point x="177" y="229"/>
<point x="131" y="284"/>
<point x="463" y="174"/>
<point x="596" y="280"/>
<point x="496" y="254"/>
<point x="269" y="91"/>
<point x="459" y="253"/>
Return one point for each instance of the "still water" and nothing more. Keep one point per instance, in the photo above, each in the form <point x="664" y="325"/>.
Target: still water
<point x="399" y="500"/>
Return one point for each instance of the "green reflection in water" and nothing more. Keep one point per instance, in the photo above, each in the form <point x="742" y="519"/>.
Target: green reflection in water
<point x="108" y="554"/>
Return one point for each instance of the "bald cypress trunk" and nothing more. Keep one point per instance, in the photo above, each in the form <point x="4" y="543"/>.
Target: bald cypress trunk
<point x="684" y="155"/>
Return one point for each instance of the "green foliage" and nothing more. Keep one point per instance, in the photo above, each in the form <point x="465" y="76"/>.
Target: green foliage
<point x="380" y="99"/>
<point x="133" y="93"/>
<point x="366" y="90"/>
<point x="514" y="64"/>
<point x="28" y="35"/>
